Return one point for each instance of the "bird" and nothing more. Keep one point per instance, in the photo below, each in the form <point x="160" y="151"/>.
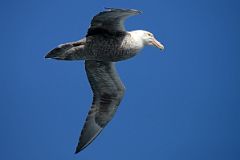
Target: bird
<point x="105" y="43"/>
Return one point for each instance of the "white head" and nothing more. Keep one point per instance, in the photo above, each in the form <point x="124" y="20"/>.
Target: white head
<point x="146" y="38"/>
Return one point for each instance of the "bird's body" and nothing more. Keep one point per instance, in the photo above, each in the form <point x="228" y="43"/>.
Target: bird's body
<point x="106" y="42"/>
<point x="117" y="47"/>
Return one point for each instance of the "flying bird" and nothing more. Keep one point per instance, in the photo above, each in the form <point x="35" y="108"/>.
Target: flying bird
<point x="105" y="43"/>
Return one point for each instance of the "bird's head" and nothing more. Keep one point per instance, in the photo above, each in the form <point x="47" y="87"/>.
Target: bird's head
<point x="148" y="38"/>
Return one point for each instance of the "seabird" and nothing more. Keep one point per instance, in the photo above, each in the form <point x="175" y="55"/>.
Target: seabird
<point x="105" y="43"/>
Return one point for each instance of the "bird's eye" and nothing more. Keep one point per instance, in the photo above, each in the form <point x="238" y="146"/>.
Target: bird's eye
<point x="150" y="35"/>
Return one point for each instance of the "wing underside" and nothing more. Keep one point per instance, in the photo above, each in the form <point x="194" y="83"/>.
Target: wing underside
<point x="108" y="91"/>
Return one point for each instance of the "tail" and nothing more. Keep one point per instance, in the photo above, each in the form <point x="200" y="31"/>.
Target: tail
<point x="68" y="51"/>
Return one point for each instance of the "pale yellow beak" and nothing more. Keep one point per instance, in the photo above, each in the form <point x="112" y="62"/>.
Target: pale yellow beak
<point x="157" y="44"/>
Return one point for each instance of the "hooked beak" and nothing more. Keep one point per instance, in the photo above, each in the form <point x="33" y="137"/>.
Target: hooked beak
<point x="157" y="44"/>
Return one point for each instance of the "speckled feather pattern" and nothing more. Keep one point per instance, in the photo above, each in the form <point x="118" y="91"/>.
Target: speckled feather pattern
<point x="115" y="48"/>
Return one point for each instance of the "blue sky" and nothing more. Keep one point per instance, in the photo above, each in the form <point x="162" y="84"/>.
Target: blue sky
<point x="181" y="104"/>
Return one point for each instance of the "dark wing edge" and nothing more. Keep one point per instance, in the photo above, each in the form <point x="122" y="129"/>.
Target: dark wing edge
<point x="108" y="92"/>
<point x="110" y="20"/>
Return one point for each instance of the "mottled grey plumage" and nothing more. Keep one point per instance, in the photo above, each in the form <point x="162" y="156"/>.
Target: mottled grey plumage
<point x="108" y="91"/>
<point x="105" y="43"/>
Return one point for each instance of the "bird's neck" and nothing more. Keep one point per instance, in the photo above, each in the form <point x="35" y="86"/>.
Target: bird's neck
<point x="136" y="39"/>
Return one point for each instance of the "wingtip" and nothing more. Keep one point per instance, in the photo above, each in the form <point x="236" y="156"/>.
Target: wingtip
<point x="77" y="151"/>
<point x="47" y="56"/>
<point x="54" y="54"/>
<point x="80" y="147"/>
<point x="87" y="137"/>
<point x="50" y="54"/>
<point x="132" y="10"/>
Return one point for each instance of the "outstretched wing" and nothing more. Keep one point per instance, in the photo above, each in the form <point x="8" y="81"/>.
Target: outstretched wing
<point x="111" y="20"/>
<point x="108" y="91"/>
<point x="68" y="51"/>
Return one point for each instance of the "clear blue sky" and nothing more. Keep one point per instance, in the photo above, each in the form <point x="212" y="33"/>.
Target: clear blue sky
<point x="181" y="104"/>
